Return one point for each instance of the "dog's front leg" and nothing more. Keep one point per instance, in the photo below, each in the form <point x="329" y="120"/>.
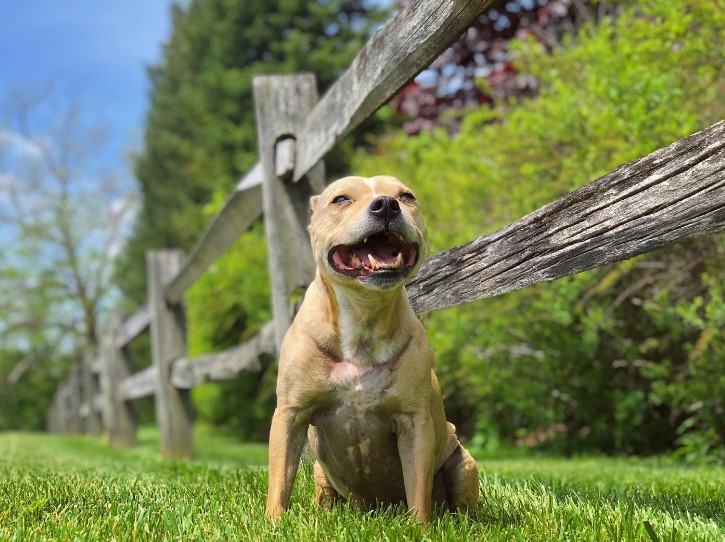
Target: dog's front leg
<point x="416" y="446"/>
<point x="286" y="440"/>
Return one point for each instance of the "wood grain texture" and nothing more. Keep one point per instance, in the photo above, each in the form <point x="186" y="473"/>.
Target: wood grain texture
<point x="249" y="357"/>
<point x="240" y="211"/>
<point x="673" y="194"/>
<point x="388" y="61"/>
<point x="281" y="104"/>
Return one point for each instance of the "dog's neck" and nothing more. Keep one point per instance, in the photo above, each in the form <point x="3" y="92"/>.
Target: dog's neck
<point x="367" y="326"/>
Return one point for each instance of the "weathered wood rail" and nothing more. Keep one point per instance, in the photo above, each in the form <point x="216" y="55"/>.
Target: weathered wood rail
<point x="673" y="194"/>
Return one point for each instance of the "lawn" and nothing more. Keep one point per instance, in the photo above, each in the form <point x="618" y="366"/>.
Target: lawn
<point x="76" y="488"/>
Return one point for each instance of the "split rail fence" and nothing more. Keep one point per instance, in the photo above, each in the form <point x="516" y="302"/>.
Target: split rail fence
<point x="673" y="194"/>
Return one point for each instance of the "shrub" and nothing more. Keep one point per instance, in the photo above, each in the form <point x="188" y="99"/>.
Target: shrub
<point x="625" y="358"/>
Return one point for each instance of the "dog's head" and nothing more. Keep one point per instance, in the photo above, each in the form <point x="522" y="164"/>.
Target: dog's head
<point x="368" y="231"/>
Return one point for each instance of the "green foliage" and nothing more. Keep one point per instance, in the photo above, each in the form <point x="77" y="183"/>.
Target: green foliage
<point x="627" y="358"/>
<point x="227" y="306"/>
<point x="24" y="403"/>
<point x="67" y="488"/>
<point x="200" y="135"/>
<point x="230" y="302"/>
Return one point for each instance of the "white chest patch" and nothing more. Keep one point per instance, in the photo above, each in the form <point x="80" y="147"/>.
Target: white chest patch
<point x="361" y="340"/>
<point x="363" y="346"/>
<point x="359" y="378"/>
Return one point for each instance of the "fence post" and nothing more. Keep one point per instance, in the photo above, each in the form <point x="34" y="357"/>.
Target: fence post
<point x="168" y="342"/>
<point x="75" y="398"/>
<point x="119" y="422"/>
<point x="53" y="419"/>
<point x="92" y="424"/>
<point x="281" y="106"/>
<point x="63" y="415"/>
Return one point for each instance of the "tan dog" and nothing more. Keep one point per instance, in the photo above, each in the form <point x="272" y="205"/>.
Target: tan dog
<point x="356" y="368"/>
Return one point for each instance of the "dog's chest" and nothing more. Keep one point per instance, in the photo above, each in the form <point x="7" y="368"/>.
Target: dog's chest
<point x="361" y="395"/>
<point x="355" y="380"/>
<point x="354" y="434"/>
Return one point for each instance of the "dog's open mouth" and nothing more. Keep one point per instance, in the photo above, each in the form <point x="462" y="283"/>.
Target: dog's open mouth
<point x="382" y="253"/>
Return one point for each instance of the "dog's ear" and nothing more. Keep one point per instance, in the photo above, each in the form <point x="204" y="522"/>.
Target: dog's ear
<point x="313" y="202"/>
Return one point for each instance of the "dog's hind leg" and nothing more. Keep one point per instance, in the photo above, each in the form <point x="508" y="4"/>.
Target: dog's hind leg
<point x="460" y="476"/>
<point x="325" y="494"/>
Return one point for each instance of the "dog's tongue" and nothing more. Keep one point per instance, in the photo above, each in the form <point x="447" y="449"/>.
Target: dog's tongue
<point x="379" y="252"/>
<point x="385" y="252"/>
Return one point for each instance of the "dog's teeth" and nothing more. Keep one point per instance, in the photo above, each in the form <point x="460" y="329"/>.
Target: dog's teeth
<point x="373" y="262"/>
<point x="356" y="261"/>
<point x="365" y="240"/>
<point x="399" y="260"/>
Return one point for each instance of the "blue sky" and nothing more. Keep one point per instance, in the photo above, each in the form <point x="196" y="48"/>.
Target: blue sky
<point x="94" y="51"/>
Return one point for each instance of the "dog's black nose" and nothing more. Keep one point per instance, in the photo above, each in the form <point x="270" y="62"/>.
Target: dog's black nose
<point x="385" y="207"/>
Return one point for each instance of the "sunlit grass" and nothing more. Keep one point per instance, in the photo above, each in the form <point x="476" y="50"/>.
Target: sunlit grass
<point x="63" y="488"/>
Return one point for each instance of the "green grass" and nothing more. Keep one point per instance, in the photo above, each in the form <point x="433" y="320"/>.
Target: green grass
<point x="75" y="488"/>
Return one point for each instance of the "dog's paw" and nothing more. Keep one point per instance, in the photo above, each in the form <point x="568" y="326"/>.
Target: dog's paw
<point x="274" y="512"/>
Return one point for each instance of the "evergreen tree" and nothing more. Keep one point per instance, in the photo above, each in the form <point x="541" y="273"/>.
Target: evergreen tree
<point x="200" y="135"/>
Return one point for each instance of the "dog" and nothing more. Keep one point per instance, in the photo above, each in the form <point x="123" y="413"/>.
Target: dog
<point x="356" y="367"/>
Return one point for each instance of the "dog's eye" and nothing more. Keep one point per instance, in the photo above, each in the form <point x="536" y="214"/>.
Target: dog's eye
<point x="407" y="196"/>
<point x="340" y="199"/>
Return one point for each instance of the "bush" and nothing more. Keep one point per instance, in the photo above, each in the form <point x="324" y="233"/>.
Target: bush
<point x="24" y="402"/>
<point x="626" y="358"/>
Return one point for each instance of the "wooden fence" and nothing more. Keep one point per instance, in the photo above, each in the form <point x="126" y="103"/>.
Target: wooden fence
<point x="673" y="194"/>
